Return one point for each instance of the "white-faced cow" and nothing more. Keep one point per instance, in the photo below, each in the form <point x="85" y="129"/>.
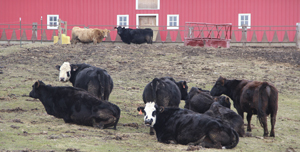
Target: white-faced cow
<point x="184" y="126"/>
<point x="76" y="105"/>
<point x="253" y="97"/>
<point x="137" y="36"/>
<point x="165" y="92"/>
<point x="93" y="79"/>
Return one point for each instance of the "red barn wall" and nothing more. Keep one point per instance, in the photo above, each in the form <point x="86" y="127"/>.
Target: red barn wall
<point x="104" y="12"/>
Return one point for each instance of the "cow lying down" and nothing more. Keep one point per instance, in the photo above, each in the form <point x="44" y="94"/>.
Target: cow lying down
<point x="184" y="126"/>
<point x="76" y="105"/>
<point x="88" y="35"/>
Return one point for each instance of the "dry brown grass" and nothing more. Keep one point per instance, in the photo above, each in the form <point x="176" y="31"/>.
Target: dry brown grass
<point x="24" y="124"/>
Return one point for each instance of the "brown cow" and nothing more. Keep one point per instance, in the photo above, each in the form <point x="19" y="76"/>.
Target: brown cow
<point x="88" y="35"/>
<point x="253" y="97"/>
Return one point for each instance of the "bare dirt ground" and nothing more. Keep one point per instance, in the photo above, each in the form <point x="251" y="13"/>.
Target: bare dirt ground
<point x="25" y="126"/>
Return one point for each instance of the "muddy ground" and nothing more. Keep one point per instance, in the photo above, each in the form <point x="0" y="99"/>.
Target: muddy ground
<point x="24" y="125"/>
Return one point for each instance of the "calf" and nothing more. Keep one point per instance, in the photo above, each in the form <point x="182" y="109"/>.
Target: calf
<point x="201" y="100"/>
<point x="165" y="92"/>
<point x="93" y="79"/>
<point x="184" y="126"/>
<point x="137" y="36"/>
<point x="253" y="97"/>
<point x="234" y="120"/>
<point x="76" y="105"/>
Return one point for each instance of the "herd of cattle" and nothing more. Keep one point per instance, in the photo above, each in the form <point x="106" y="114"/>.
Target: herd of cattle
<point x="137" y="36"/>
<point x="206" y="119"/>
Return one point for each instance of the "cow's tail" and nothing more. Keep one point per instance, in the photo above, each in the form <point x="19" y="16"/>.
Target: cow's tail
<point x="154" y="88"/>
<point x="101" y="79"/>
<point x="235" y="139"/>
<point x="263" y="90"/>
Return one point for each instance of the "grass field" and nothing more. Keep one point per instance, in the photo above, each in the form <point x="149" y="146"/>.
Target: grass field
<point x="25" y="125"/>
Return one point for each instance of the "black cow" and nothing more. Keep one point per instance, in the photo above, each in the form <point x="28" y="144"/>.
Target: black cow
<point x="253" y="97"/>
<point x="76" y="105"/>
<point x="235" y="121"/>
<point x="201" y="100"/>
<point x="137" y="36"/>
<point x="184" y="126"/>
<point x="165" y="92"/>
<point x="93" y="79"/>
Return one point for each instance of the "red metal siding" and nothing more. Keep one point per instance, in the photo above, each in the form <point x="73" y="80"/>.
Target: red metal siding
<point x="104" y="12"/>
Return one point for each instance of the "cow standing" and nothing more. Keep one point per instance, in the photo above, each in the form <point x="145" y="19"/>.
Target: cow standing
<point x="165" y="92"/>
<point x="76" y="105"/>
<point x="253" y="97"/>
<point x="234" y="120"/>
<point x="93" y="79"/>
<point x="184" y="126"/>
<point x="201" y="100"/>
<point x="137" y="36"/>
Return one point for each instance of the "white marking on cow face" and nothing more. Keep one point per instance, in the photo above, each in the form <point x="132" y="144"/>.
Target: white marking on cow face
<point x="64" y="72"/>
<point x="150" y="114"/>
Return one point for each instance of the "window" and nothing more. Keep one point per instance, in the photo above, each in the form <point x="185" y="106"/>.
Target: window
<point x="173" y="21"/>
<point x="52" y="21"/>
<point x="147" y="4"/>
<point x="123" y="20"/>
<point x="244" y="19"/>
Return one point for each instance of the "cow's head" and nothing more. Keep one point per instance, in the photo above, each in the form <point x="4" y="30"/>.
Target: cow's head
<point x="105" y="32"/>
<point x="183" y="90"/>
<point x="219" y="87"/>
<point x="150" y="110"/>
<point x="120" y="29"/>
<point x="35" y="93"/>
<point x="64" y="71"/>
<point x="223" y="100"/>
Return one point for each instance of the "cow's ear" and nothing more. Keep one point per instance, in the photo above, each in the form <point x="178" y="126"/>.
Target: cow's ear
<point x="141" y="110"/>
<point x="36" y="84"/>
<point x="161" y="109"/>
<point x="75" y="68"/>
<point x="184" y="84"/>
<point x="57" y="67"/>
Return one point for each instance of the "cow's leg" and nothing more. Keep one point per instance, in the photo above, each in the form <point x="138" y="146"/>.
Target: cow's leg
<point x="273" y="121"/>
<point x="151" y="131"/>
<point x="249" y="116"/>
<point x="210" y="142"/>
<point x="263" y="122"/>
<point x="103" y="119"/>
<point x="102" y="123"/>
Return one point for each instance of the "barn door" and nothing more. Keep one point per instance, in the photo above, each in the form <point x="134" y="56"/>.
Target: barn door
<point x="149" y="22"/>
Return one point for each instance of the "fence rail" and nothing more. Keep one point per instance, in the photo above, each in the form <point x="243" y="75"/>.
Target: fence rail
<point x="254" y="34"/>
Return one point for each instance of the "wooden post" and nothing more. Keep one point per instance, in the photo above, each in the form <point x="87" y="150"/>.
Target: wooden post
<point x="244" y="34"/>
<point x="65" y="26"/>
<point x="298" y="35"/>
<point x="20" y="33"/>
<point x="59" y="32"/>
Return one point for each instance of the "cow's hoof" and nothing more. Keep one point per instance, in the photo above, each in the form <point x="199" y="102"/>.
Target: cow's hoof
<point x="151" y="133"/>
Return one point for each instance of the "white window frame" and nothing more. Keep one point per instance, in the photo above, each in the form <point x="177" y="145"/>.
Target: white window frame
<point x="168" y="21"/>
<point x="118" y="21"/>
<point x="249" y="20"/>
<point x="48" y="21"/>
<point x="137" y="6"/>
<point x="138" y="15"/>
